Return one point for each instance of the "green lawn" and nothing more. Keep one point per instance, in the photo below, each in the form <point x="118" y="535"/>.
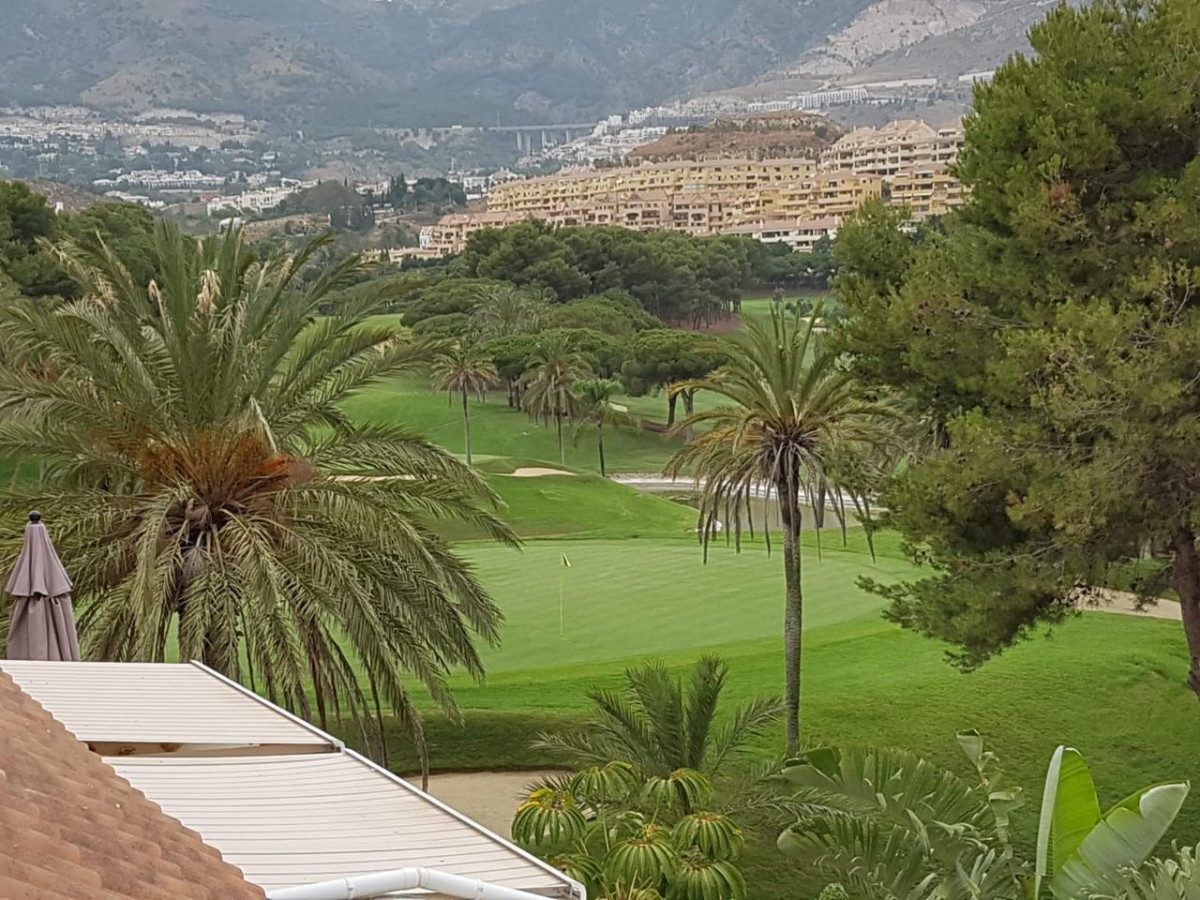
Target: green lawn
<point x="637" y="587"/>
<point x="498" y="430"/>
<point x="577" y="506"/>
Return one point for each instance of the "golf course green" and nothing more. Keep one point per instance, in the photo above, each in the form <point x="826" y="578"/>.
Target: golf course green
<point x="609" y="576"/>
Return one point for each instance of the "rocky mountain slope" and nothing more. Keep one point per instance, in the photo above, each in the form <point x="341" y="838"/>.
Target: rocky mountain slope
<point x="897" y="39"/>
<point x="332" y="63"/>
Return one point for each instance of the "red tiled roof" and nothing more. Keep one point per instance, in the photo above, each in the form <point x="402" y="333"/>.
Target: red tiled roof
<point x="71" y="829"/>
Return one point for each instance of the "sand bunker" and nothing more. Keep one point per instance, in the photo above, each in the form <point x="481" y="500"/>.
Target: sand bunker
<point x="537" y="472"/>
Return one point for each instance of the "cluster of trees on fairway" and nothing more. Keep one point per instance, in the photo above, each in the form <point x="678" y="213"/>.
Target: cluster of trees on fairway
<point x="675" y="277"/>
<point x="560" y="362"/>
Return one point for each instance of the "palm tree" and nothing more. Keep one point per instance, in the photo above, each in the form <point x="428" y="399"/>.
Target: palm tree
<point x="790" y="411"/>
<point x="506" y="309"/>
<point x="464" y="368"/>
<point x="554" y="368"/>
<point x="214" y="500"/>
<point x="658" y="727"/>
<point x="595" y="407"/>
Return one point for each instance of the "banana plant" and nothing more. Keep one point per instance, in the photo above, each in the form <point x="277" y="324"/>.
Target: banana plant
<point x="1160" y="879"/>
<point x="1081" y="852"/>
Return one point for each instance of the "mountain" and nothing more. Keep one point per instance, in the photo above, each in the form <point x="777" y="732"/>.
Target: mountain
<point x="335" y="63"/>
<point x="902" y="39"/>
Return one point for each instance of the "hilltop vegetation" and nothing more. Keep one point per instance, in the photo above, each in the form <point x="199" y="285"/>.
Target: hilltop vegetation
<point x="774" y="136"/>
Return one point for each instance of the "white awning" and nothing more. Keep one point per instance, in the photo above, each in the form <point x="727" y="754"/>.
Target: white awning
<point x="138" y="704"/>
<point x="291" y="820"/>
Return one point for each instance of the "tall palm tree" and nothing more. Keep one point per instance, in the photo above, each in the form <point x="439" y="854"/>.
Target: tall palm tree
<point x="463" y="368"/>
<point x="506" y="309"/>
<point x="658" y="727"/>
<point x="213" y="499"/>
<point x="554" y="368"/>
<point x="789" y="411"/>
<point x="596" y="408"/>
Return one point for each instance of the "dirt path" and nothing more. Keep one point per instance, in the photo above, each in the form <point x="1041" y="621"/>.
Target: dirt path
<point x="490" y="798"/>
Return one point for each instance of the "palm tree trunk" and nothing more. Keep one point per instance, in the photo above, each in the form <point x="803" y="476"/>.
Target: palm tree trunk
<point x="793" y="618"/>
<point x="1186" y="571"/>
<point x="562" y="451"/>
<point x="467" y="423"/>
<point x="600" y="436"/>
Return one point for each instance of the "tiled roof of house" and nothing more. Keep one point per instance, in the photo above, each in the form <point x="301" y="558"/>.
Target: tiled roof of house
<point x="72" y="829"/>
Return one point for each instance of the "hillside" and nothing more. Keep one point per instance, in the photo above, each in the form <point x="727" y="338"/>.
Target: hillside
<point x="772" y="136"/>
<point x="896" y="39"/>
<point x="318" y="64"/>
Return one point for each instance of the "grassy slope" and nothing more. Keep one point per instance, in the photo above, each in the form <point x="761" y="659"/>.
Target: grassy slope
<point x="500" y="431"/>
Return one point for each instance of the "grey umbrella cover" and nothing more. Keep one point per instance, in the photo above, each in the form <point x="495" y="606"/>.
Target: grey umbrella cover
<point x="42" y="621"/>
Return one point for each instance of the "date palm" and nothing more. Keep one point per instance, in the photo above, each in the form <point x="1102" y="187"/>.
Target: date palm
<point x="463" y="368"/>
<point x="596" y="408"/>
<point x="212" y="499"/>
<point x="505" y="310"/>
<point x="789" y="412"/>
<point x="554" y="368"/>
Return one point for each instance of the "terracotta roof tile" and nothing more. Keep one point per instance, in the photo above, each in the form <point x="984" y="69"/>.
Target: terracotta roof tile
<point x="72" y="829"/>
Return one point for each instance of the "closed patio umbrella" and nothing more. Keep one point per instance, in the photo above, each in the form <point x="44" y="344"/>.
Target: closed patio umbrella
<point x="41" y="624"/>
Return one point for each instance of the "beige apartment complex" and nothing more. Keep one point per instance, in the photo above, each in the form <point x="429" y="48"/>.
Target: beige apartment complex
<point x="905" y="163"/>
<point x="895" y="147"/>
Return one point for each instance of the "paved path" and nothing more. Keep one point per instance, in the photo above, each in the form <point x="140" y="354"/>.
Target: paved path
<point x="1126" y="604"/>
<point x="490" y="798"/>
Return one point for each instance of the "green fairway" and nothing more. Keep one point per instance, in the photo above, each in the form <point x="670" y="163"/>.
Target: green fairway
<point x="1113" y="686"/>
<point x="578" y="506"/>
<point x="498" y="430"/>
<point x="625" y="599"/>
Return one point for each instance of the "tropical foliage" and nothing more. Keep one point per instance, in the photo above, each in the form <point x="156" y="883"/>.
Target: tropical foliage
<point x="788" y="412"/>
<point x="504" y="310"/>
<point x="595" y="407"/>
<point x="624" y="835"/>
<point x="658" y="727"/>
<point x="214" y="500"/>
<point x="914" y="831"/>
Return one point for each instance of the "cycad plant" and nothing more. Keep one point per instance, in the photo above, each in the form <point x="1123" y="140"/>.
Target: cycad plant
<point x="550" y="395"/>
<point x="789" y="410"/>
<point x="657" y="726"/>
<point x="464" y="368"/>
<point x="629" y="837"/>
<point x="214" y="502"/>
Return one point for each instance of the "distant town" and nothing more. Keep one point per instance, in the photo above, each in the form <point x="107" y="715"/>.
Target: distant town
<point x="222" y="168"/>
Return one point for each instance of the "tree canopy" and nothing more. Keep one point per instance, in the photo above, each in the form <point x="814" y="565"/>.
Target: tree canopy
<point x="672" y="275"/>
<point x="1052" y="330"/>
